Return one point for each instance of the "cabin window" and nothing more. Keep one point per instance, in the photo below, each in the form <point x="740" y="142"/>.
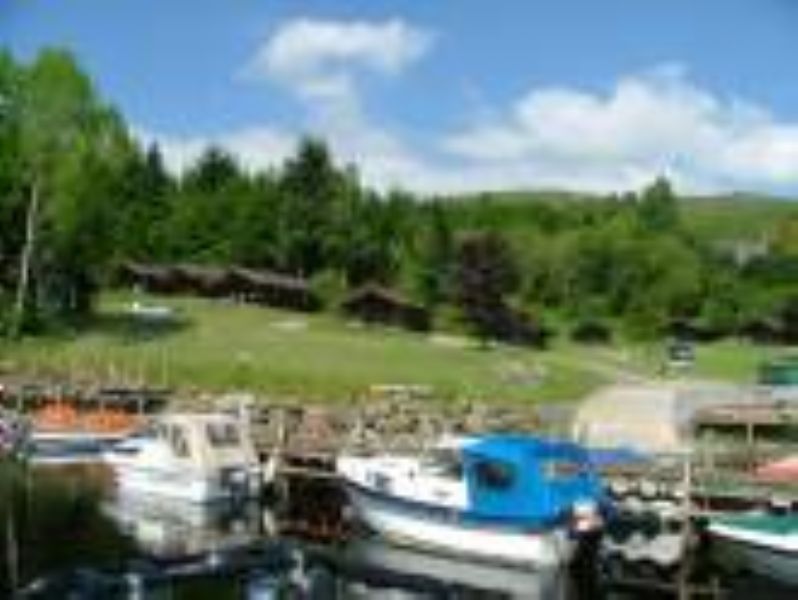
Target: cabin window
<point x="444" y="463"/>
<point x="178" y="441"/>
<point x="558" y="469"/>
<point x="223" y="435"/>
<point x="161" y="431"/>
<point x="494" y="475"/>
<point x="381" y="481"/>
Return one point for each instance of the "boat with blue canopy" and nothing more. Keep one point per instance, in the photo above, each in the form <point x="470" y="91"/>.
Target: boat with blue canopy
<point x="504" y="498"/>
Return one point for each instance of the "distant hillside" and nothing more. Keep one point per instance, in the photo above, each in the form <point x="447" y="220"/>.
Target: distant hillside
<point x="736" y="216"/>
<point x="732" y="216"/>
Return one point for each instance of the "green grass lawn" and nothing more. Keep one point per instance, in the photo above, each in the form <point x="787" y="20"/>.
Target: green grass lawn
<point x="729" y="360"/>
<point x="224" y="346"/>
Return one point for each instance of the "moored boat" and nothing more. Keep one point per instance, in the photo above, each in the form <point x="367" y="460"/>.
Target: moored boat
<point x="767" y="543"/>
<point x="190" y="456"/>
<point x="784" y="470"/>
<point x="503" y="498"/>
<point x="60" y="433"/>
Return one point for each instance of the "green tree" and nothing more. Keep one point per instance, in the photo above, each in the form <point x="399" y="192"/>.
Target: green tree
<point x="436" y="257"/>
<point x="70" y="146"/>
<point x="214" y="170"/>
<point x="142" y="193"/>
<point x="658" y="209"/>
<point x="485" y="272"/>
<point x="311" y="193"/>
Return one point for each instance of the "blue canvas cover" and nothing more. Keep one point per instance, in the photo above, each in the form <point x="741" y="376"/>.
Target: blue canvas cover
<point x="614" y="457"/>
<point x="528" y="480"/>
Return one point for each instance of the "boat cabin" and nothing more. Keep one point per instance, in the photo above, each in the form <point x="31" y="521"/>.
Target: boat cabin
<point x="207" y="440"/>
<point x="199" y="442"/>
<point x="512" y="478"/>
<point x="519" y="477"/>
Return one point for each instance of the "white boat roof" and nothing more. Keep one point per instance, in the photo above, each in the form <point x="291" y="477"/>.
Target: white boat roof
<point x="454" y="442"/>
<point x="197" y="418"/>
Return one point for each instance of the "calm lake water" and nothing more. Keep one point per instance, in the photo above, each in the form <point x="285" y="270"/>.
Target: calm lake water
<point x="73" y="537"/>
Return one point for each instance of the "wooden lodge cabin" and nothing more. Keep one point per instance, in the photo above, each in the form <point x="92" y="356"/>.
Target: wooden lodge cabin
<point x="764" y="330"/>
<point x="248" y="285"/>
<point x="518" y="327"/>
<point x="155" y="279"/>
<point x="375" y="304"/>
<point x="208" y="282"/>
<point x="591" y="332"/>
<point x="274" y="289"/>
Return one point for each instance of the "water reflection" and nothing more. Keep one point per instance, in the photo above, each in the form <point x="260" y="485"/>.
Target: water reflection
<point x="73" y="538"/>
<point x="362" y="567"/>
<point x="457" y="577"/>
<point x="172" y="529"/>
<point x="50" y="521"/>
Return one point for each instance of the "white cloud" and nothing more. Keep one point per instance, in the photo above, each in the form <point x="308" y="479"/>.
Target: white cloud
<point x="317" y="59"/>
<point x="657" y="122"/>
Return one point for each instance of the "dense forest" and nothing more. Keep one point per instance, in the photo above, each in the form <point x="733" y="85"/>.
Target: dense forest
<point x="79" y="196"/>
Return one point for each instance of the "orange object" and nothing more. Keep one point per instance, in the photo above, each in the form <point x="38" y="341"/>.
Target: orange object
<point x="784" y="470"/>
<point x="60" y="416"/>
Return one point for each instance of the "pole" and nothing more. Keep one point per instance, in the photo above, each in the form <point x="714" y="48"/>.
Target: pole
<point x="25" y="259"/>
<point x="687" y="530"/>
<point x="12" y="565"/>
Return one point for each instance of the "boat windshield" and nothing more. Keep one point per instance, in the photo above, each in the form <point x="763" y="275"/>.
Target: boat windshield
<point x="444" y="462"/>
<point x="175" y="437"/>
<point x="223" y="435"/>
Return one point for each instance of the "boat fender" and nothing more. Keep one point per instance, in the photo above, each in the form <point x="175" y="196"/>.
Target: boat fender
<point x="585" y="517"/>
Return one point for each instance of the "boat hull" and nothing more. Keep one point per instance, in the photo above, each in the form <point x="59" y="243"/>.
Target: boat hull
<point x="56" y="448"/>
<point x="442" y="530"/>
<point x="187" y="484"/>
<point x="775" y="559"/>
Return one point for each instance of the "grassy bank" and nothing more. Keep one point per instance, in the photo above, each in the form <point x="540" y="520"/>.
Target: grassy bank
<point x="219" y="346"/>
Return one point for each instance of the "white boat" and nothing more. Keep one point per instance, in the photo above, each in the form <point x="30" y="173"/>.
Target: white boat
<point x="767" y="543"/>
<point x="502" y="498"/>
<point x="191" y="456"/>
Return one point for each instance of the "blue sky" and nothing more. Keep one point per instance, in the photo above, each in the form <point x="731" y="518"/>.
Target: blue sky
<point x="455" y="95"/>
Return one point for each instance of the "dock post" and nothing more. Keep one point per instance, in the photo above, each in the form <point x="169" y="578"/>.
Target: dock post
<point x="750" y="443"/>
<point x="683" y="581"/>
<point x="281" y="485"/>
<point x="12" y="548"/>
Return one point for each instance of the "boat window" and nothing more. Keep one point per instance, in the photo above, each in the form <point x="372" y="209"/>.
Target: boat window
<point x="223" y="435"/>
<point x="178" y="441"/>
<point x="161" y="431"/>
<point x="380" y="481"/>
<point x="555" y="469"/>
<point x="444" y="463"/>
<point x="494" y="475"/>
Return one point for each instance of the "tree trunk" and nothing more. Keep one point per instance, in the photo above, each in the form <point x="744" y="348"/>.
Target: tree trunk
<point x="25" y="260"/>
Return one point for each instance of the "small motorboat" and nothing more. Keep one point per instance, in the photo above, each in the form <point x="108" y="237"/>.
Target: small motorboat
<point x="197" y="457"/>
<point x="501" y="498"/>
<point x="61" y="433"/>
<point x="767" y="543"/>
